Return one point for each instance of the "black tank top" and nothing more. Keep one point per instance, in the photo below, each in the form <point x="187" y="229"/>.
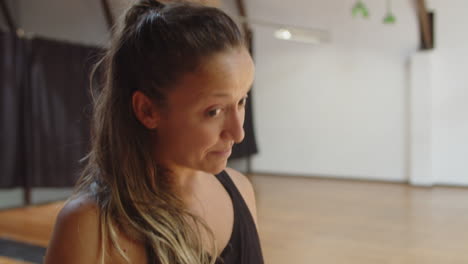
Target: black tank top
<point x="244" y="244"/>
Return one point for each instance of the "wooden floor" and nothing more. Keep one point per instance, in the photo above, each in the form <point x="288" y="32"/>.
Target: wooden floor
<point x="4" y="260"/>
<point x="306" y="220"/>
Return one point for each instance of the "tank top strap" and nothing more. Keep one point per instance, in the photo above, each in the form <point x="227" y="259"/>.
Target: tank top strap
<point x="244" y="245"/>
<point x="230" y="186"/>
<point x="231" y="249"/>
<point x="240" y="206"/>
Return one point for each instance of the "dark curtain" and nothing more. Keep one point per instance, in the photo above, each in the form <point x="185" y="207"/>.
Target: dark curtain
<point x="12" y="153"/>
<point x="45" y="111"/>
<point x="57" y="111"/>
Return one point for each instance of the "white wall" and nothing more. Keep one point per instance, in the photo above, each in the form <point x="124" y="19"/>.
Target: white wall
<point x="420" y="121"/>
<point x="337" y="109"/>
<point x="450" y="93"/>
<point x="76" y="21"/>
<point x="345" y="109"/>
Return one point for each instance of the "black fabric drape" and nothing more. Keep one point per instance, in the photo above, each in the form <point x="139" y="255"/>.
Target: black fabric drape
<point x="58" y="110"/>
<point x="45" y="109"/>
<point x="12" y="153"/>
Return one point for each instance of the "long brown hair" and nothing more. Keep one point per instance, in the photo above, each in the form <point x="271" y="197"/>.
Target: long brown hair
<point x="156" y="44"/>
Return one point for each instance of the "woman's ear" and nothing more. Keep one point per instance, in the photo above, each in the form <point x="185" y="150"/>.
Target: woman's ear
<point x="145" y="110"/>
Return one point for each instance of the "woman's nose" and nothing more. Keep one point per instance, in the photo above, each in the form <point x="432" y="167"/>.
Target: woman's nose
<point x="235" y="126"/>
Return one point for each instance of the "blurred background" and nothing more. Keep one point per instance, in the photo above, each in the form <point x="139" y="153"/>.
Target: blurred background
<point x="356" y="129"/>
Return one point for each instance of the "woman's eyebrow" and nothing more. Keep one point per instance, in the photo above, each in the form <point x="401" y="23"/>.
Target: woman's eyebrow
<point x="214" y="94"/>
<point x="220" y="94"/>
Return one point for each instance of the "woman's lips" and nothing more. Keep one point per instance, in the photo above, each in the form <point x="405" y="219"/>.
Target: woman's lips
<point x="223" y="152"/>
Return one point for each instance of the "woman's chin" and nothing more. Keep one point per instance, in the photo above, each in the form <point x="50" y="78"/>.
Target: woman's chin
<point x="216" y="169"/>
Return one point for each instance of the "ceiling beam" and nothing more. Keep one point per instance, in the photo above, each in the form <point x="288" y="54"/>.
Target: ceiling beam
<point x="7" y="15"/>
<point x="108" y="14"/>
<point x="424" y="25"/>
<point x="245" y="25"/>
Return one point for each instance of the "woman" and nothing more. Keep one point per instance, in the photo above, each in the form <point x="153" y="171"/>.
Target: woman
<point x="156" y="188"/>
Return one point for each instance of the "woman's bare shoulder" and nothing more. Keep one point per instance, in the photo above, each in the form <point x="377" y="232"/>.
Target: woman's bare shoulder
<point x="75" y="238"/>
<point x="79" y="214"/>
<point x="80" y="210"/>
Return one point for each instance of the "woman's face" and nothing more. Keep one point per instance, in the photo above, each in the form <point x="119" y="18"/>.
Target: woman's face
<point x="205" y="114"/>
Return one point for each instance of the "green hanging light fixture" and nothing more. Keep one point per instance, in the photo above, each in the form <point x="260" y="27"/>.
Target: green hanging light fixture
<point x="389" y="16"/>
<point x="359" y="8"/>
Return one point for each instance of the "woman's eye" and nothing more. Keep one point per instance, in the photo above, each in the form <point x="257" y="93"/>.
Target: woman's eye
<point x="243" y="101"/>
<point x="214" y="112"/>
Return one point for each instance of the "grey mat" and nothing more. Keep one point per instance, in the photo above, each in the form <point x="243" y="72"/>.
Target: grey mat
<point x="21" y="251"/>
